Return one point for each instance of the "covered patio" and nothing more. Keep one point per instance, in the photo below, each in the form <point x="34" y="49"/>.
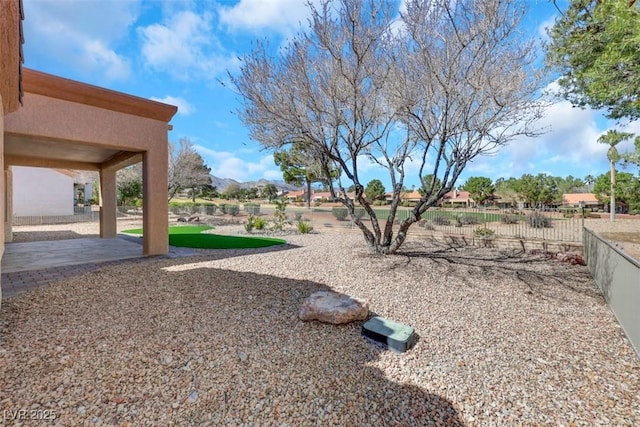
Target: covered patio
<point x="67" y="124"/>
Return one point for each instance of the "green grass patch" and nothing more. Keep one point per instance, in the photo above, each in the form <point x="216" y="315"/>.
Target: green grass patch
<point x="189" y="236"/>
<point x="218" y="241"/>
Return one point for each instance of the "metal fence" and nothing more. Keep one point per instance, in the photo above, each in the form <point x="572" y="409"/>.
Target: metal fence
<point x="523" y="224"/>
<point x="80" y="214"/>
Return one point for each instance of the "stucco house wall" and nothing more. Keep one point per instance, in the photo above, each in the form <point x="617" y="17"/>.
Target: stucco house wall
<point x="10" y="93"/>
<point x="41" y="192"/>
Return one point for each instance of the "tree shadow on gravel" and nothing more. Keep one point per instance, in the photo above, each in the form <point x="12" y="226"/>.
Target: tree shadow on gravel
<point x="490" y="262"/>
<point x="201" y="346"/>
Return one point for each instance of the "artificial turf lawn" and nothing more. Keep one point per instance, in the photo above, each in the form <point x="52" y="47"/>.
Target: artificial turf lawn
<point x="189" y="236"/>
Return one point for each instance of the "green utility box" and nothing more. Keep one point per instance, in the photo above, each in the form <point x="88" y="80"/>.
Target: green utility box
<point x="395" y="336"/>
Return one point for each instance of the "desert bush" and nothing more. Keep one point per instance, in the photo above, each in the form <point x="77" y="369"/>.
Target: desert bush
<point x="379" y="203"/>
<point x="304" y="227"/>
<point x="340" y="213"/>
<point x="440" y="220"/>
<point x="259" y="223"/>
<point x="426" y="225"/>
<point x="538" y="220"/>
<point x="509" y="219"/>
<point x="359" y="213"/>
<point x="468" y="219"/>
<point x="252" y="208"/>
<point x="250" y="224"/>
<point x="230" y="209"/>
<point x="210" y="208"/>
<point x="483" y="232"/>
<point x="280" y="215"/>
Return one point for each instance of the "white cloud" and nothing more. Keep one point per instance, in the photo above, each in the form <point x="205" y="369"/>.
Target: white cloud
<point x="544" y="25"/>
<point x="185" y="47"/>
<point x="226" y="164"/>
<point x="184" y="108"/>
<point x="282" y="16"/>
<point x="83" y="35"/>
<point x="114" y="67"/>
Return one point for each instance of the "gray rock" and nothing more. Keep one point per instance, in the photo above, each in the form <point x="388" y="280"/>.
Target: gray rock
<point x="333" y="307"/>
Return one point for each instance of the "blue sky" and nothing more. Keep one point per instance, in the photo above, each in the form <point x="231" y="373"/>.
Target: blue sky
<point x="178" y="52"/>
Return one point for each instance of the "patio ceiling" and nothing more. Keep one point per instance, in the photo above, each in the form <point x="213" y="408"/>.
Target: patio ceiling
<point x="25" y="151"/>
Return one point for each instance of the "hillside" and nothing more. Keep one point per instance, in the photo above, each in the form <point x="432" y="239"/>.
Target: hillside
<point x="222" y="184"/>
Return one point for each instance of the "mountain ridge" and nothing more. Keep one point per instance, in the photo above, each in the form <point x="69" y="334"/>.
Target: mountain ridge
<point x="222" y="184"/>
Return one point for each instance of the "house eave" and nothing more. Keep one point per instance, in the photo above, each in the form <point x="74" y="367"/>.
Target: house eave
<point x="44" y="84"/>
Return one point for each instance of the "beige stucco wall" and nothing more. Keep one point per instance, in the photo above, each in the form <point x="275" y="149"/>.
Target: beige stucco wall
<point x="41" y="192"/>
<point x="2" y="188"/>
<point x="51" y="119"/>
<point x="10" y="54"/>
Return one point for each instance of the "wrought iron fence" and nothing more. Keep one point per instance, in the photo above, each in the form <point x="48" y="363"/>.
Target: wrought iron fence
<point x="525" y="224"/>
<point x="80" y="214"/>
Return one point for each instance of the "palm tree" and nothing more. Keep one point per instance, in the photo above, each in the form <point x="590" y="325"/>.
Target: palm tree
<point x="613" y="138"/>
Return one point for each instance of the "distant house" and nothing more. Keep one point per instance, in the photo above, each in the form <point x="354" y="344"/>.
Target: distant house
<point x="458" y="198"/>
<point x="408" y="196"/>
<point x="578" y="200"/>
<point x="319" y="196"/>
<point x="296" y="196"/>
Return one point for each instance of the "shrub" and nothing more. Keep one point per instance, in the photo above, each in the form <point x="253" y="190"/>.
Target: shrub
<point x="440" y="220"/>
<point x="280" y="216"/>
<point x="426" y="225"/>
<point x="210" y="208"/>
<point x="304" y="227"/>
<point x="175" y="207"/>
<point x="468" y="219"/>
<point x="538" y="220"/>
<point x="379" y="203"/>
<point x="252" y="208"/>
<point x="259" y="223"/>
<point x="509" y="219"/>
<point x="250" y="224"/>
<point x="340" y="213"/>
<point x="483" y="232"/>
<point x="359" y="213"/>
<point x="230" y="209"/>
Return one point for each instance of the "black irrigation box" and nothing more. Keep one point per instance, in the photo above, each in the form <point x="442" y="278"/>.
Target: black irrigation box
<point x="396" y="336"/>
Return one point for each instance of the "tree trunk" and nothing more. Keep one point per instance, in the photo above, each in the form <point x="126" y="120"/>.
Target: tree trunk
<point x="612" y="202"/>
<point x="308" y="194"/>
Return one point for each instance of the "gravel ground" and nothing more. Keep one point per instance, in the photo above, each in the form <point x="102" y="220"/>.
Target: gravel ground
<point x="505" y="339"/>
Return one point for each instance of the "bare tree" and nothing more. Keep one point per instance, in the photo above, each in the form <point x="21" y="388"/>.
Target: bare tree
<point x="434" y="88"/>
<point x="187" y="169"/>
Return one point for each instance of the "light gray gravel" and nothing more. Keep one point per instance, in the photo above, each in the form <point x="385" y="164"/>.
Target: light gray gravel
<point x="505" y="339"/>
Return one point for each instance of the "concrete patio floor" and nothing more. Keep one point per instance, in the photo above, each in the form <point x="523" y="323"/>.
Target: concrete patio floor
<point x="29" y="265"/>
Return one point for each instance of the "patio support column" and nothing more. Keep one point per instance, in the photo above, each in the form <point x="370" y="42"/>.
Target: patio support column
<point x="108" y="224"/>
<point x="155" y="207"/>
<point x="8" y="205"/>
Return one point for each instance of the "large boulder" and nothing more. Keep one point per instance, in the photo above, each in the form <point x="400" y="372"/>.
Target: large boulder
<point x="333" y="307"/>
